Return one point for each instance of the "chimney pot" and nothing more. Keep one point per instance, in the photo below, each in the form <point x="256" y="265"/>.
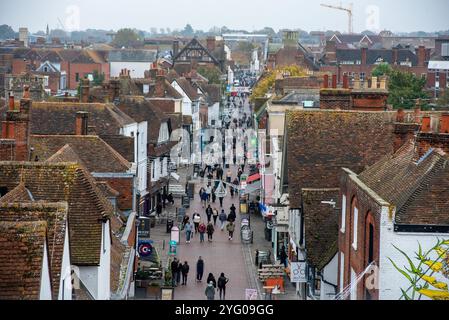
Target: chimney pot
<point x="81" y="123"/>
<point x="426" y="125"/>
<point x="11" y="102"/>
<point x="400" y="116"/>
<point x="374" y="83"/>
<point x="444" y="123"/>
<point x="345" y="81"/>
<point x="326" y="81"/>
<point x="334" y="81"/>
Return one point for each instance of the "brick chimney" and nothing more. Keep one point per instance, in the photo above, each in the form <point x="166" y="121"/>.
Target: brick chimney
<point x="417" y="115"/>
<point x="211" y="44"/>
<point x="159" y="89"/>
<point x="331" y="51"/>
<point x="400" y="117"/>
<point x="334" y="81"/>
<point x="444" y="123"/>
<point x="81" y="123"/>
<point x="345" y="81"/>
<point x="364" y="56"/>
<point x="175" y="48"/>
<point x="114" y="89"/>
<point x="11" y="102"/>
<point x="421" y="56"/>
<point x="85" y="90"/>
<point x="16" y="127"/>
<point x="383" y="83"/>
<point x="426" y="125"/>
<point x="326" y="81"/>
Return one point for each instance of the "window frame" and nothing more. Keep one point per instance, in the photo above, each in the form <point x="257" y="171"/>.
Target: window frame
<point x="343" y="215"/>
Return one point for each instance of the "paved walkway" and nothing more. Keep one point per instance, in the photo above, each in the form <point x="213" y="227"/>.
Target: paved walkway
<point x="219" y="256"/>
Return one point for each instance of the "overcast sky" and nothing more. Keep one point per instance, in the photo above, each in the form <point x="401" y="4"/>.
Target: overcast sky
<point x="394" y="15"/>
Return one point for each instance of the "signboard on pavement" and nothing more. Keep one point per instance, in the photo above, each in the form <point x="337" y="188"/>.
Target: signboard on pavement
<point x="221" y="191"/>
<point x="145" y="249"/>
<point x="298" y="272"/>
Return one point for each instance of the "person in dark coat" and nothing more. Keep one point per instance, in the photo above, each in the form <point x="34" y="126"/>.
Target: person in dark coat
<point x="222" y="282"/>
<point x="209" y="213"/>
<point x="200" y="269"/>
<point x="284" y="257"/>
<point x="159" y="209"/>
<point x="185" y="273"/>
<point x="210" y="279"/>
<point x="233" y="209"/>
<point x="174" y="272"/>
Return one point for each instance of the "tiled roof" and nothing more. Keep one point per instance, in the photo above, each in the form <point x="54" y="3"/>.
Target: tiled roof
<point x="21" y="259"/>
<point x="59" y="117"/>
<point x="107" y="190"/>
<point x="18" y="194"/>
<point x="95" y="154"/>
<point x="320" y="225"/>
<point x="142" y="111"/>
<point x="71" y="183"/>
<point x="212" y="91"/>
<point x="191" y="92"/>
<point x="55" y="217"/>
<point x="169" y="92"/>
<point x="122" y="144"/>
<point x="409" y="185"/>
<point x="320" y="143"/>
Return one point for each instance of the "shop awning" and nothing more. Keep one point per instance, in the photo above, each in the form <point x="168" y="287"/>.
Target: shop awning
<point x="253" y="188"/>
<point x="253" y="178"/>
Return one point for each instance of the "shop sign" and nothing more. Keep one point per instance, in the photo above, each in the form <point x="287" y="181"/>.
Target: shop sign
<point x="298" y="272"/>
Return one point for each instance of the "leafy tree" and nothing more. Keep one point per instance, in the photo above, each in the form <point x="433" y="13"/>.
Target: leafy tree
<point x="188" y="31"/>
<point x="405" y="89"/>
<point x="268" y="80"/>
<point x="98" y="78"/>
<point x="126" y="38"/>
<point x="212" y="74"/>
<point x="382" y="70"/>
<point x="247" y="47"/>
<point x="6" y="32"/>
<point x="443" y="100"/>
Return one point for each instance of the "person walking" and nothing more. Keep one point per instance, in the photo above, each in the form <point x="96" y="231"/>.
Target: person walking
<point x="185" y="273"/>
<point x="210" y="231"/>
<point x="221" y="201"/>
<point x="204" y="199"/>
<point x="209" y="192"/>
<point x="214" y="196"/>
<point x="284" y="257"/>
<point x="189" y="229"/>
<point x="196" y="221"/>
<point x="210" y="291"/>
<point x="215" y="216"/>
<point x="209" y="213"/>
<point x="202" y="190"/>
<point x="222" y="282"/>
<point x="233" y="209"/>
<point x="232" y="217"/>
<point x="202" y="230"/>
<point x="159" y="209"/>
<point x="231" y="228"/>
<point x="223" y="218"/>
<point x="210" y="279"/>
<point x="229" y="176"/>
<point x="185" y="221"/>
<point x="200" y="269"/>
<point x="174" y="272"/>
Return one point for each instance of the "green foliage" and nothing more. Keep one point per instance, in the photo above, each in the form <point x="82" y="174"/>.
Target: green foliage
<point x="382" y="70"/>
<point x="98" y="78"/>
<point x="212" y="74"/>
<point x="421" y="275"/>
<point x="246" y="47"/>
<point x="127" y="38"/>
<point x="405" y="89"/>
<point x="188" y="31"/>
<point x="443" y="100"/>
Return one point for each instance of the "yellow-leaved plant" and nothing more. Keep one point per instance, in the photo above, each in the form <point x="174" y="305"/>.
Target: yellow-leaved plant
<point x="422" y="274"/>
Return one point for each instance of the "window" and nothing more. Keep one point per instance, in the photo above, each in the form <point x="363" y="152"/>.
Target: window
<point x="163" y="133"/>
<point x="77" y="77"/>
<point x="354" y="227"/>
<point x="343" y="214"/>
<point x="362" y="76"/>
<point x="371" y="244"/>
<point x="45" y="69"/>
<point x="342" y="271"/>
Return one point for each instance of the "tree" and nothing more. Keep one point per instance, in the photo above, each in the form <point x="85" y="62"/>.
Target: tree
<point x="6" y="32"/>
<point x="98" y="78"/>
<point x="188" y="31"/>
<point x="405" y="89"/>
<point x="126" y="38"/>
<point x="382" y="70"/>
<point x="268" y="80"/>
<point x="212" y="74"/>
<point x="443" y="100"/>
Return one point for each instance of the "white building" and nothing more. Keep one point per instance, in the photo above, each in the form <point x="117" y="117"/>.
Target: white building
<point x="135" y="61"/>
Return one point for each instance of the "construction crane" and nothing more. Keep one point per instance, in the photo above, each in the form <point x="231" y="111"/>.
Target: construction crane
<point x="348" y="10"/>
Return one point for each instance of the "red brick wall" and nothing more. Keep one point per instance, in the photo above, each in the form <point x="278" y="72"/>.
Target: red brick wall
<point x="369" y="212"/>
<point x="81" y="68"/>
<point x="125" y="187"/>
<point x="7" y="150"/>
<point x="19" y="66"/>
<point x="338" y="99"/>
<point x="432" y="140"/>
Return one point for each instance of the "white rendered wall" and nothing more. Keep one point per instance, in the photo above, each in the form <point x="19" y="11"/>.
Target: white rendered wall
<point x="45" y="291"/>
<point x="330" y="274"/>
<point x="137" y="69"/>
<point x="65" y="286"/>
<point x="104" y="275"/>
